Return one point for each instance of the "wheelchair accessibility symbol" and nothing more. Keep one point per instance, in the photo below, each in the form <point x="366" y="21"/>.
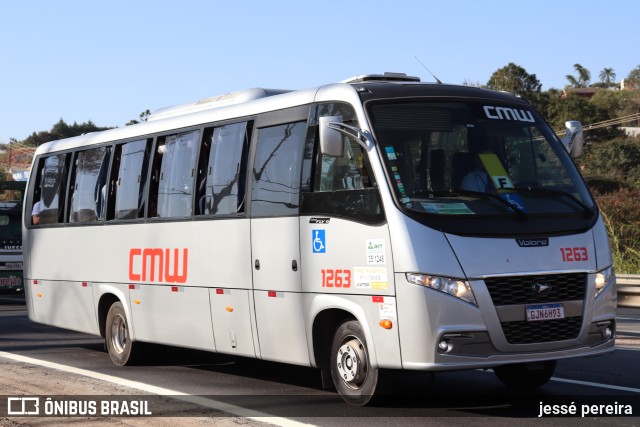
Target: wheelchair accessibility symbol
<point x="318" y="241"/>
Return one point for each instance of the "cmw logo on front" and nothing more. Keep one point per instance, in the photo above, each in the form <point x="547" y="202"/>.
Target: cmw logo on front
<point x="318" y="242"/>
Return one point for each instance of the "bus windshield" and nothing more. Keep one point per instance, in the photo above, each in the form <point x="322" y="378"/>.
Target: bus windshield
<point x="479" y="158"/>
<point x="11" y="195"/>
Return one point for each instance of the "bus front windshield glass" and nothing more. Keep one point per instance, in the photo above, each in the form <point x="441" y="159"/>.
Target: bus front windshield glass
<point x="11" y="194"/>
<point x="476" y="158"/>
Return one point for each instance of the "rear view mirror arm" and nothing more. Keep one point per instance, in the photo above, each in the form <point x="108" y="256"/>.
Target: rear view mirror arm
<point x="361" y="136"/>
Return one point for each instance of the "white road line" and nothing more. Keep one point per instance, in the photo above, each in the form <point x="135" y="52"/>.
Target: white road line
<point x="590" y="384"/>
<point x="208" y="403"/>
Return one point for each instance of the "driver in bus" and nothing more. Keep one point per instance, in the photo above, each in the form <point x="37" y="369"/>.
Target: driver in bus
<point x="478" y="179"/>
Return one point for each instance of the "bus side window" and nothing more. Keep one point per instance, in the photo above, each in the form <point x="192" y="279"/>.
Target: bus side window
<point x="221" y="170"/>
<point x="276" y="172"/>
<point x="338" y="185"/>
<point x="173" y="175"/>
<point x="128" y="179"/>
<point x="53" y="182"/>
<point x="36" y="197"/>
<point x="346" y="172"/>
<point x="88" y="185"/>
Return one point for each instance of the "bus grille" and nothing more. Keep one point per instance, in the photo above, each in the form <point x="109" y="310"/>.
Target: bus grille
<point x="520" y="289"/>
<point x="524" y="332"/>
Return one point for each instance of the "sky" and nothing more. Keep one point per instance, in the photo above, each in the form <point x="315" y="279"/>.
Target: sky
<point x="108" y="61"/>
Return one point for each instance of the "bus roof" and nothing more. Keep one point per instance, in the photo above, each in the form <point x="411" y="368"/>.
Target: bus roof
<point x="215" y="102"/>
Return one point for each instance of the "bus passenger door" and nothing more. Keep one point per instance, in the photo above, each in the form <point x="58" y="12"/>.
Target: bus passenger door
<point x="275" y="243"/>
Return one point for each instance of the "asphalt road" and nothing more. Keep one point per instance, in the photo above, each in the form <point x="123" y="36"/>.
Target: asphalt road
<point x="294" y="393"/>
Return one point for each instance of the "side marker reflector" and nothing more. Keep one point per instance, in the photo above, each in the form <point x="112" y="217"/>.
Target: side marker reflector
<point x="386" y="323"/>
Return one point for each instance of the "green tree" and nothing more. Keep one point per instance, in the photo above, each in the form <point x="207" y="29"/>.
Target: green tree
<point x="513" y="78"/>
<point x="583" y="78"/>
<point x="608" y="76"/>
<point x="633" y="79"/>
<point x="144" y="116"/>
<point x="617" y="160"/>
<point x="562" y="108"/>
<point x="62" y="130"/>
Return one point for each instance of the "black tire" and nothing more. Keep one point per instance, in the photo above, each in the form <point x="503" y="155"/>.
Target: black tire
<point x="353" y="376"/>
<point x="526" y="376"/>
<point x="122" y="350"/>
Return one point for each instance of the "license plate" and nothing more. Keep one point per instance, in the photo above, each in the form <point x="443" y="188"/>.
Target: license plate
<point x="13" y="266"/>
<point x="536" y="313"/>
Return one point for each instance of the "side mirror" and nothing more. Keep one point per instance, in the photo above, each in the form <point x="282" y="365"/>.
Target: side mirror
<point x="331" y="142"/>
<point x="574" y="140"/>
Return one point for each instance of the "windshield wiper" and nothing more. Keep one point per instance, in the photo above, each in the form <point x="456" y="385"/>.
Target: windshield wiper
<point x="515" y="209"/>
<point x="585" y="209"/>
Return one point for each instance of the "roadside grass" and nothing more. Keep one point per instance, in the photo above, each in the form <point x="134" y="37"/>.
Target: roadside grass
<point x="624" y="241"/>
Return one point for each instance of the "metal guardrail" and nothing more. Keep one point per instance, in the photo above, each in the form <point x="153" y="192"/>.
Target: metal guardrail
<point x="628" y="290"/>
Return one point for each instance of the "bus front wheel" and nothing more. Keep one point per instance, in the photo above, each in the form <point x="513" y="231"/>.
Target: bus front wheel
<point x="353" y="376"/>
<point x="122" y="350"/>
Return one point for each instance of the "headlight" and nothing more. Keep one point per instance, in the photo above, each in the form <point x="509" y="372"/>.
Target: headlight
<point x="455" y="287"/>
<point x="603" y="279"/>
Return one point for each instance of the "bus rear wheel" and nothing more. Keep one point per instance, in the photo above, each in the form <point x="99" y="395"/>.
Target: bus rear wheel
<point x="353" y="376"/>
<point x="122" y="350"/>
<point x="526" y="376"/>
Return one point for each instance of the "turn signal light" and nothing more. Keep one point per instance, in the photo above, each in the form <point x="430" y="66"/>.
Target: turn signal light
<point x="229" y="309"/>
<point x="386" y="324"/>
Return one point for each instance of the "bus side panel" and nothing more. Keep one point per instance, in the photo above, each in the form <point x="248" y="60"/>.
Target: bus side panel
<point x="64" y="304"/>
<point x="274" y="249"/>
<point x="348" y="266"/>
<point x="57" y="298"/>
<point x="281" y="327"/>
<point x="174" y="315"/>
<point x="231" y="317"/>
<point x="219" y="251"/>
<point x="277" y="298"/>
<point x="345" y="257"/>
